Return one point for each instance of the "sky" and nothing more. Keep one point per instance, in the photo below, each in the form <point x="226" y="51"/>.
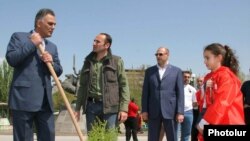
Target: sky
<point x="138" y="29"/>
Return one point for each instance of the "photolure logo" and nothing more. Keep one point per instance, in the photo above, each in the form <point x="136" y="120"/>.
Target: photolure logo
<point x="213" y="132"/>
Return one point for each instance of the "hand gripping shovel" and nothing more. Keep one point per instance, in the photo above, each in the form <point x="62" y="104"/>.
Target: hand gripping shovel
<point x="61" y="91"/>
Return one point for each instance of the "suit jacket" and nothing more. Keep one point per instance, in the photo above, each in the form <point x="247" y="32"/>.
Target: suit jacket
<point x="166" y="95"/>
<point x="31" y="78"/>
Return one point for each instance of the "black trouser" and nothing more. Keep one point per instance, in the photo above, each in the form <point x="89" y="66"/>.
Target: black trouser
<point x="131" y="128"/>
<point x="247" y="115"/>
<point x="194" y="132"/>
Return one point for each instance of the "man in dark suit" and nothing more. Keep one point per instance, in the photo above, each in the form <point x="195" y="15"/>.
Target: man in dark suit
<point x="163" y="97"/>
<point x="30" y="97"/>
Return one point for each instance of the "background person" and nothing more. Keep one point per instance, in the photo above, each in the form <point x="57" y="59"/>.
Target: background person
<point x="139" y="123"/>
<point x="163" y="97"/>
<point x="196" y="108"/>
<point x="131" y="122"/>
<point x="190" y="100"/>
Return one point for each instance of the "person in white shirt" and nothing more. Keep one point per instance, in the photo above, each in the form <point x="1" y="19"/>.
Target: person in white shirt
<point x="197" y="108"/>
<point x="190" y="99"/>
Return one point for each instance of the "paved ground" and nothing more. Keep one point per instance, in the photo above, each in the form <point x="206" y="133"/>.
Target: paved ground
<point x="70" y="138"/>
<point x="65" y="130"/>
<point x="7" y="135"/>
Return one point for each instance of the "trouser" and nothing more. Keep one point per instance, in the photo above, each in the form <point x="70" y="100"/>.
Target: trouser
<point x="154" y="127"/>
<point x="43" y="119"/>
<point x="201" y="114"/>
<point x="94" y="112"/>
<point x="194" y="132"/>
<point x="185" y="127"/>
<point x="247" y="115"/>
<point x="131" y="128"/>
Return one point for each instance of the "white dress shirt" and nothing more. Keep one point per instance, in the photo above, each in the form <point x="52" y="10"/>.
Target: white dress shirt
<point x="162" y="70"/>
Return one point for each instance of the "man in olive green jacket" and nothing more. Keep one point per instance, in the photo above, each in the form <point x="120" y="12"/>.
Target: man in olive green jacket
<point x="103" y="91"/>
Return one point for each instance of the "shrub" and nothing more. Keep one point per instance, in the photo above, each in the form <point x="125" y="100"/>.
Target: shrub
<point x="100" y="133"/>
<point x="58" y="100"/>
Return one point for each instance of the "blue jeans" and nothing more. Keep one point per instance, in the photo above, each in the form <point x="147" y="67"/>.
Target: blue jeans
<point x="94" y="110"/>
<point x="184" y="128"/>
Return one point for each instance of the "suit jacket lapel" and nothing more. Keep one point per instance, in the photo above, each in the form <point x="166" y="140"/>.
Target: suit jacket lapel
<point x="167" y="71"/>
<point x="47" y="46"/>
<point x="28" y="36"/>
<point x="157" y="75"/>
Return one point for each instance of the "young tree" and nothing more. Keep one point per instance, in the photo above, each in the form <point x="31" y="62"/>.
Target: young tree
<point x="6" y="73"/>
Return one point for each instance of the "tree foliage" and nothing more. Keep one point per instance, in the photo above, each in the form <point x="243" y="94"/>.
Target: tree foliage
<point x="58" y="100"/>
<point x="135" y="80"/>
<point x="6" y="73"/>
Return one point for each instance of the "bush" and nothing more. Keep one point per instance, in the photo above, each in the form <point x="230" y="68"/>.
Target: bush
<point x="58" y="100"/>
<point x="100" y="133"/>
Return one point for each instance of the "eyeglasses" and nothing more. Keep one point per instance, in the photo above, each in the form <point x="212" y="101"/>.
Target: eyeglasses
<point x="159" y="54"/>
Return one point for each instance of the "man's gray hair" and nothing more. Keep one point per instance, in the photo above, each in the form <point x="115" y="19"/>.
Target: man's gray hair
<point x="42" y="13"/>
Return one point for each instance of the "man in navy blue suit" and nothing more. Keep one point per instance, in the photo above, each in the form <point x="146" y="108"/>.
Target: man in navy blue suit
<point x="163" y="97"/>
<point x="30" y="97"/>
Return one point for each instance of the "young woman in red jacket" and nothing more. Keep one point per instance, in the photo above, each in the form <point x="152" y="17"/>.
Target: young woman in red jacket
<point x="223" y="98"/>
